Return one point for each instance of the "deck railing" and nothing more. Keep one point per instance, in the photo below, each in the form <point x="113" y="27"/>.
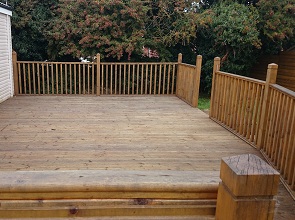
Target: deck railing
<point x="278" y="142"/>
<point x="102" y="78"/>
<point x="188" y="81"/>
<point x="138" y="78"/>
<point x="260" y="112"/>
<point x="36" y="78"/>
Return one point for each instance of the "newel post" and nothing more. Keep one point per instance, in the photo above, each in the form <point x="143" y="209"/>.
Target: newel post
<point x="179" y="61"/>
<point x="15" y="73"/>
<point x="197" y="81"/>
<point x="271" y="78"/>
<point x="247" y="189"/>
<point x="98" y="74"/>
<point x="216" y="67"/>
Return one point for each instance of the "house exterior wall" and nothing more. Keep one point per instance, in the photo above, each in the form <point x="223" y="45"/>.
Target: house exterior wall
<point x="6" y="73"/>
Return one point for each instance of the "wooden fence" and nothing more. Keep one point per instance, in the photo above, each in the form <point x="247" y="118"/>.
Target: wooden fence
<point x="286" y="70"/>
<point x="260" y="112"/>
<point x="102" y="78"/>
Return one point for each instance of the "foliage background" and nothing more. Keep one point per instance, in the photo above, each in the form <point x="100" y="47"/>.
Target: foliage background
<point x="238" y="31"/>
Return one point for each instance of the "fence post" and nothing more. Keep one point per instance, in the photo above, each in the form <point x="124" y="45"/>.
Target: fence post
<point x="271" y="78"/>
<point x="197" y="81"/>
<point x="216" y="67"/>
<point x="98" y="74"/>
<point x="15" y="73"/>
<point x="179" y="61"/>
<point x="247" y="189"/>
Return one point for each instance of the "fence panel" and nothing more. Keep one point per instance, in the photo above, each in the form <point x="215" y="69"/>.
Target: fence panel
<point x="185" y="82"/>
<point x="237" y="104"/>
<point x="138" y="78"/>
<point x="40" y="78"/>
<point x="188" y="81"/>
<point x="56" y="78"/>
<point x="286" y="70"/>
<point x="279" y="142"/>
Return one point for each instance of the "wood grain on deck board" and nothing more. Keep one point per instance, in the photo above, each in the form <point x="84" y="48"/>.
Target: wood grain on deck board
<point x="117" y="133"/>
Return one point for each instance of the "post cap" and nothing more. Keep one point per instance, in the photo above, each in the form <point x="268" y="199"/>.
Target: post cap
<point x="179" y="58"/>
<point x="249" y="175"/>
<point x="273" y="66"/>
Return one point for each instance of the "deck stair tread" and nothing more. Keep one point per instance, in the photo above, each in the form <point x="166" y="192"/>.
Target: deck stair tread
<point x="89" y="193"/>
<point x="107" y="180"/>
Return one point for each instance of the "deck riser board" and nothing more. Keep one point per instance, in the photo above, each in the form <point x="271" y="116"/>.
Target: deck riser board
<point x="67" y="212"/>
<point x="108" y="195"/>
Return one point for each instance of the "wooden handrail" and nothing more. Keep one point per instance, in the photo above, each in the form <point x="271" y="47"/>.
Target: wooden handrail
<point x="284" y="90"/>
<point x="242" y="77"/>
<point x="187" y="65"/>
<point x="85" y="63"/>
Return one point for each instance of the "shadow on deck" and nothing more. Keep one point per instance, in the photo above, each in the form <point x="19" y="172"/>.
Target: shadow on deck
<point x="127" y="148"/>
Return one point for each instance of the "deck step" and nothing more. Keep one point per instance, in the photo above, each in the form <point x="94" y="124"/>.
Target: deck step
<point x="89" y="193"/>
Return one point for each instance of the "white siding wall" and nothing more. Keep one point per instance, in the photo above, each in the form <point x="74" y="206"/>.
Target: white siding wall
<point x="6" y="78"/>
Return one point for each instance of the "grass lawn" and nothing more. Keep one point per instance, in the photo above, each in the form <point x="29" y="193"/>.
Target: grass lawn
<point x="204" y="102"/>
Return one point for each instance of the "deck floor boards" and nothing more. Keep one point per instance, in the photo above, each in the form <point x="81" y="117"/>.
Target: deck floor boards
<point x="118" y="133"/>
<point x="113" y="133"/>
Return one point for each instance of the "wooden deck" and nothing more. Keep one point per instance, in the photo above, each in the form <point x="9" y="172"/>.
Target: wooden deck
<point x="134" y="134"/>
<point x="111" y="133"/>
